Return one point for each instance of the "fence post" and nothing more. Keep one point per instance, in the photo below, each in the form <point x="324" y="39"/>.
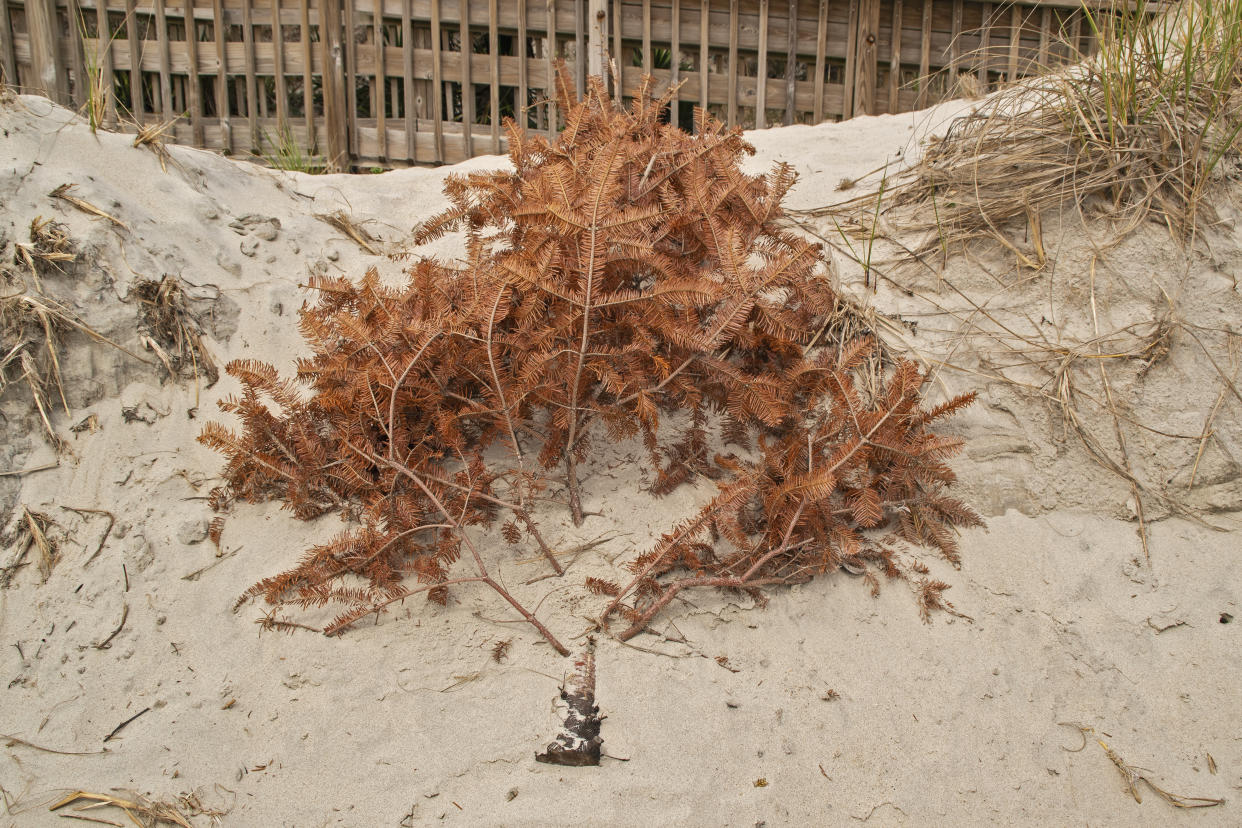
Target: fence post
<point x="597" y="27"/>
<point x="337" y="157"/>
<point x="866" y="64"/>
<point x="8" y="60"/>
<point x="40" y="17"/>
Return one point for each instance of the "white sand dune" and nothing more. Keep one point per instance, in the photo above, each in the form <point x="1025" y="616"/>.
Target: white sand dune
<point x="828" y="707"/>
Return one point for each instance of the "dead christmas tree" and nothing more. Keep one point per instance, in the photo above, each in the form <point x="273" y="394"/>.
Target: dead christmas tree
<point x="627" y="274"/>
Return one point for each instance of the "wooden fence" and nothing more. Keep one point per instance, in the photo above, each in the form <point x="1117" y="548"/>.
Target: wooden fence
<point x="361" y="83"/>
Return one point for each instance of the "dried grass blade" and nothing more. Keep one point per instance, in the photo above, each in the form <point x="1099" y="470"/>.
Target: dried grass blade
<point x="347" y="226"/>
<point x="62" y="192"/>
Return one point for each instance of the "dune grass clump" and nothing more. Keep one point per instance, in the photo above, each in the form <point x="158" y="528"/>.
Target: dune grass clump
<point x="1139" y="128"/>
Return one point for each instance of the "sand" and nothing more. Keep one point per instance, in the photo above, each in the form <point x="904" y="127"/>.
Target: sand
<point x="827" y="707"/>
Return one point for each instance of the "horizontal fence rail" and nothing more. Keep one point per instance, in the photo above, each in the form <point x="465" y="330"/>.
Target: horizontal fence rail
<point x="344" y="84"/>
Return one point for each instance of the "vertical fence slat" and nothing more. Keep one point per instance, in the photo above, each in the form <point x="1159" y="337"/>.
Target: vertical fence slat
<point x="278" y="56"/>
<point x="618" y="49"/>
<point x="467" y="83"/>
<point x="894" y="61"/>
<point x="523" y="95"/>
<point x="955" y="46"/>
<point x="77" y="62"/>
<point x="334" y="101"/>
<point x="580" y="46"/>
<point x="597" y="39"/>
<point x="161" y="37"/>
<point x="437" y="82"/>
<point x="732" y="62"/>
<point x="1045" y="21"/>
<point x="493" y="50"/>
<point x="135" y="40"/>
<point x="1015" y="42"/>
<point x="985" y="48"/>
<point x="8" y="60"/>
<point x="379" y="83"/>
<point x="821" y="48"/>
<point x="704" y="75"/>
<point x="925" y="54"/>
<point x="647" y="61"/>
<point x="407" y="62"/>
<point x="791" y="64"/>
<point x="40" y="16"/>
<point x="222" y="78"/>
<point x="549" y="53"/>
<point x="867" y="63"/>
<point x="308" y="88"/>
<point x="103" y="59"/>
<point x="252" y="93"/>
<point x="851" y="62"/>
<point x="675" y="61"/>
<point x="191" y="49"/>
<point x="61" y="71"/>
<point x="761" y="68"/>
<point x="351" y="80"/>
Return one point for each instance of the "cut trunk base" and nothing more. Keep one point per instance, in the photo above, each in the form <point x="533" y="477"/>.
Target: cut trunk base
<point x="571" y="483"/>
<point x="578" y="743"/>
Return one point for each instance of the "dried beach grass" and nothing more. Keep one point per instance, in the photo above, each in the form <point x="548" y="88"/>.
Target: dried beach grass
<point x="1134" y="776"/>
<point x="169" y="328"/>
<point x="49" y="243"/>
<point x="31" y="324"/>
<point x="349" y="227"/>
<point x="140" y="810"/>
<point x="153" y="136"/>
<point x="1138" y="129"/>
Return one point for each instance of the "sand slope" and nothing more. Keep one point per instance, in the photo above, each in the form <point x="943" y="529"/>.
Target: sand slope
<point x="411" y="722"/>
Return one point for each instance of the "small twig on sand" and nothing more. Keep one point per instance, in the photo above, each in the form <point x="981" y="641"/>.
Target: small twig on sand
<point x="122" y="725"/>
<point x="104" y="539"/>
<point x="194" y="576"/>
<point x="20" y="472"/>
<point x="14" y="740"/>
<point x="107" y="642"/>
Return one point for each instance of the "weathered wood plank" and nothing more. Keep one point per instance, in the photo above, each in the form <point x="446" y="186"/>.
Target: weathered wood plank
<point x="378" y="103"/>
<point x="761" y="68"/>
<point x="821" y="48"/>
<point x="334" y="99"/>
<point x="925" y="54"/>
<point x="675" y="62"/>
<point x="733" y="62"/>
<point x="191" y="47"/>
<point x="549" y="55"/>
<point x="791" y="63"/>
<point x="308" y="97"/>
<point x="894" y="62"/>
<point x="523" y="95"/>
<point x="40" y="19"/>
<point x="161" y="38"/>
<point x="493" y="54"/>
<point x="222" y="83"/>
<point x="8" y="55"/>
<point x="704" y="80"/>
